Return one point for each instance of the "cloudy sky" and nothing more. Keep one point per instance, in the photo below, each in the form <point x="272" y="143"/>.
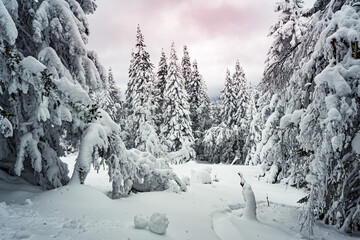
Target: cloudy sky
<point x="217" y="33"/>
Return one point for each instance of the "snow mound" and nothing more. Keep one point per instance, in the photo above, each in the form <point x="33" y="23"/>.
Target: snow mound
<point x="202" y="176"/>
<point x="158" y="223"/>
<point x="141" y="222"/>
<point x="22" y="234"/>
<point x="186" y="180"/>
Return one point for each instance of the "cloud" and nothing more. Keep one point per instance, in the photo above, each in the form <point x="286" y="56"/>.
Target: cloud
<point x="217" y="33"/>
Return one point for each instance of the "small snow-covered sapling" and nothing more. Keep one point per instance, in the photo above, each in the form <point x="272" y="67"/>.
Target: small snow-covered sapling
<point x="249" y="198"/>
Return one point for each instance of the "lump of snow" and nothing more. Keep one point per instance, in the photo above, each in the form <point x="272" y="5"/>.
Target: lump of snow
<point x="186" y="180"/>
<point x="331" y="75"/>
<point x="5" y="127"/>
<point x="296" y="116"/>
<point x="32" y="65"/>
<point x="285" y="121"/>
<point x="338" y="141"/>
<point x="74" y="90"/>
<point x="334" y="114"/>
<point x="355" y="144"/>
<point x="8" y="31"/>
<point x="22" y="234"/>
<point x="28" y="202"/>
<point x="202" y="176"/>
<point x="271" y="176"/>
<point x="141" y="222"/>
<point x="331" y="101"/>
<point x="249" y="198"/>
<point x="72" y="224"/>
<point x="158" y="223"/>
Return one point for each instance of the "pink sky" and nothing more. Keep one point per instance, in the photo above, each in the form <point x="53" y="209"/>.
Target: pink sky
<point x="217" y="33"/>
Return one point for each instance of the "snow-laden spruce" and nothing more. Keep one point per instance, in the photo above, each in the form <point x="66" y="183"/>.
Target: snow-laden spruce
<point x="101" y="144"/>
<point x="286" y="32"/>
<point x="199" y="102"/>
<point x="176" y="128"/>
<point x="46" y="108"/>
<point x="159" y="88"/>
<point x="230" y="136"/>
<point x="310" y="126"/>
<point x="186" y="70"/>
<point x="110" y="99"/>
<point x="41" y="91"/>
<point x="141" y="127"/>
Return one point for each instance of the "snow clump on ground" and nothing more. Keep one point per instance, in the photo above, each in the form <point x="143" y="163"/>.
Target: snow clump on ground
<point x="202" y="176"/>
<point x="141" y="222"/>
<point x="158" y="223"/>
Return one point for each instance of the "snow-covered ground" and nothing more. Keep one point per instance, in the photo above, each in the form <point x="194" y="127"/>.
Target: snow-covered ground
<point x="205" y="211"/>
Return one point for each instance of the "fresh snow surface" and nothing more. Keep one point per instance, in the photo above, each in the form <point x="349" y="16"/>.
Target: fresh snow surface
<point x="206" y="211"/>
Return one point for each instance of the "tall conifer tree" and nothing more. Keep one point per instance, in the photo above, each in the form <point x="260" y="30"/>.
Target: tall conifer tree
<point x="176" y="128"/>
<point x="186" y="69"/>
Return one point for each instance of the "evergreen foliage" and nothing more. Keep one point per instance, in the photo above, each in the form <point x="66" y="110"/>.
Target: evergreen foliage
<point x="141" y="127"/>
<point x="186" y="69"/>
<point x="199" y="109"/>
<point x="110" y="99"/>
<point x="176" y="128"/>
<point x="159" y="89"/>
<point x="42" y="94"/>
<point x="309" y="126"/>
<point x="286" y="32"/>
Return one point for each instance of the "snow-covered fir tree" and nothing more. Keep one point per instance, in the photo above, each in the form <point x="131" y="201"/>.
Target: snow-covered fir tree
<point x="215" y="112"/>
<point x="186" y="69"/>
<point x="159" y="88"/>
<point x="42" y="94"/>
<point x="286" y="32"/>
<point x="235" y="103"/>
<point x="141" y="127"/>
<point x="45" y="104"/>
<point x="110" y="99"/>
<point x="141" y="75"/>
<point x="199" y="100"/>
<point x="243" y="117"/>
<point x="219" y="144"/>
<point x="329" y="126"/>
<point x="199" y="108"/>
<point x="229" y="100"/>
<point x="224" y="142"/>
<point x="310" y="134"/>
<point x="176" y="128"/>
<point x="254" y="131"/>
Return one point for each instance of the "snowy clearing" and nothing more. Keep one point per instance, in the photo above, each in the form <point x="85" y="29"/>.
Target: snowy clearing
<point x="205" y="211"/>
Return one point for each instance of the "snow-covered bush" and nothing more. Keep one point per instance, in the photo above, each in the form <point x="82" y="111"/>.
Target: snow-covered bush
<point x="101" y="144"/>
<point x="201" y="176"/>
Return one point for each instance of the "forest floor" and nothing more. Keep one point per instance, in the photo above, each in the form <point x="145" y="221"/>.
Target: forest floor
<point x="205" y="211"/>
